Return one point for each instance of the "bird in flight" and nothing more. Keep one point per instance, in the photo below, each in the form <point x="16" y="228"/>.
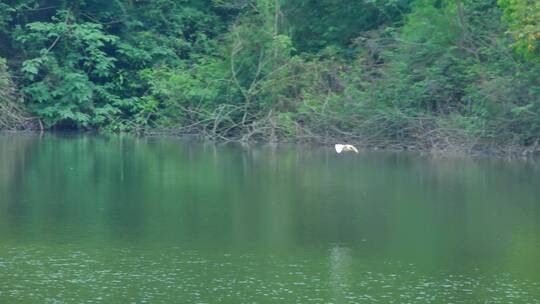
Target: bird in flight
<point x="343" y="148"/>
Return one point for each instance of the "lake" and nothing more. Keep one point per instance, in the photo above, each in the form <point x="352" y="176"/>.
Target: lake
<point x="93" y="219"/>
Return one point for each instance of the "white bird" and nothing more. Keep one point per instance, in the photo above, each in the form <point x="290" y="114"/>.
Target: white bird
<point x="343" y="148"/>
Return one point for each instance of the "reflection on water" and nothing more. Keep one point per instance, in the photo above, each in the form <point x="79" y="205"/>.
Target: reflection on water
<point x="340" y="273"/>
<point x="87" y="219"/>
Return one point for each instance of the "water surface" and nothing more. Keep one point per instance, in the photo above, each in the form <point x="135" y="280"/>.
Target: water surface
<point x="88" y="219"/>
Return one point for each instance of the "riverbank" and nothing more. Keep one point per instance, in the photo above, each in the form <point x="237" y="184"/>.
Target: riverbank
<point x="387" y="84"/>
<point x="441" y="147"/>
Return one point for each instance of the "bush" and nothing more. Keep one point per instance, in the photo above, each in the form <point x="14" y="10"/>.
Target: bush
<point x="12" y="114"/>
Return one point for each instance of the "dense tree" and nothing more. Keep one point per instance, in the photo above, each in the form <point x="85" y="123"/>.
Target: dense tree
<point x="523" y="17"/>
<point x="437" y="73"/>
<point x="315" y="25"/>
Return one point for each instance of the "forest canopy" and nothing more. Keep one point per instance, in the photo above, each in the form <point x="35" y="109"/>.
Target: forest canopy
<point x="431" y="73"/>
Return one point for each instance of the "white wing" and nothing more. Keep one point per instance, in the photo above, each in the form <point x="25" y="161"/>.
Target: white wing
<point x="339" y="148"/>
<point x="352" y="148"/>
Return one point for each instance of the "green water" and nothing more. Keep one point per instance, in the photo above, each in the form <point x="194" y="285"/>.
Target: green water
<point x="87" y="219"/>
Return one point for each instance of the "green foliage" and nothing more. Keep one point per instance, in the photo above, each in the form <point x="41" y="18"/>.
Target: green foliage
<point x="5" y="84"/>
<point x="523" y="16"/>
<point x="65" y="74"/>
<point x="12" y="115"/>
<point x="436" y="73"/>
<point x="316" y="25"/>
